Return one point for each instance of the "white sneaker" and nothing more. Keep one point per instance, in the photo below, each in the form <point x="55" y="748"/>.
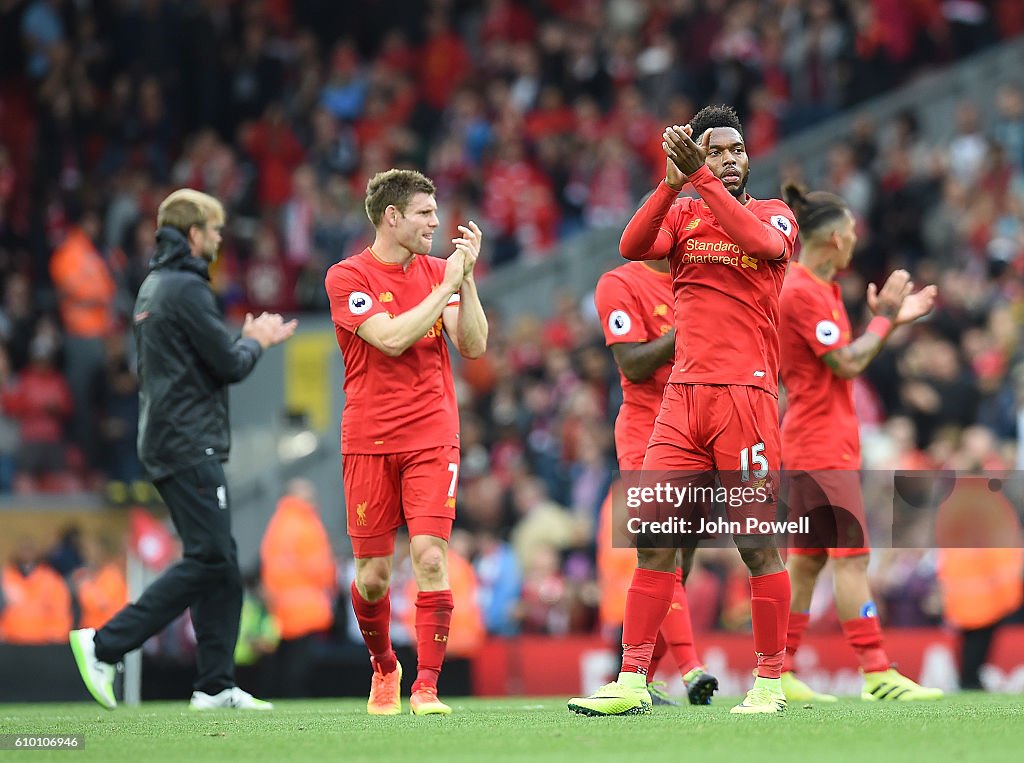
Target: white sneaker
<point x="233" y="698"/>
<point x="97" y="676"/>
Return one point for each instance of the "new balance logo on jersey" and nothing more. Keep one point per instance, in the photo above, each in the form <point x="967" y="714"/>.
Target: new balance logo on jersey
<point x="387" y="296"/>
<point x="361" y="514"/>
<point x="449" y="503"/>
<point x="692" y="224"/>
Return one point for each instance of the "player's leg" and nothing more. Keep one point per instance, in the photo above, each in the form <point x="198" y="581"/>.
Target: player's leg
<point x="747" y="453"/>
<point x="429" y="488"/>
<point x="373" y="515"/>
<point x="649" y="597"/>
<point x="677" y="634"/>
<point x="863" y="632"/>
<point x="804" y="566"/>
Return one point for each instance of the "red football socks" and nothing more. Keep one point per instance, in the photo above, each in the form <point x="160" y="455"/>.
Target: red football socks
<point x="433" y="619"/>
<point x="374" y="618"/>
<point x="660" y="650"/>
<point x="794" y="635"/>
<point x="647" y="601"/>
<point x="678" y="630"/>
<point x="769" y="614"/>
<point x="864" y="634"/>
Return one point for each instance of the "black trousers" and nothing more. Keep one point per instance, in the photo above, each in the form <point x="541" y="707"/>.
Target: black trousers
<point x="206" y="580"/>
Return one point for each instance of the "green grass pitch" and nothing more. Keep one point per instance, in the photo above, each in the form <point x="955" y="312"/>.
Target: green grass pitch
<point x="964" y="728"/>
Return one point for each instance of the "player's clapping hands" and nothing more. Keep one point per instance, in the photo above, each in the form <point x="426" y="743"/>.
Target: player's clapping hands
<point x="888" y="301"/>
<point x="455" y="270"/>
<point x="914" y="305"/>
<point x="469" y="245"/>
<point x="679" y="146"/>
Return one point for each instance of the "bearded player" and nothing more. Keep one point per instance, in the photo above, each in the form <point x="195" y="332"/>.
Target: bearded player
<point x="820" y="435"/>
<point x="390" y="305"/>
<point x="633" y="302"/>
<point x="727" y="255"/>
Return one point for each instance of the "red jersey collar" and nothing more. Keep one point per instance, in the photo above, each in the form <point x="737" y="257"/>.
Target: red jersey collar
<point x="813" y="276"/>
<point x="667" y="274"/>
<point x="390" y="266"/>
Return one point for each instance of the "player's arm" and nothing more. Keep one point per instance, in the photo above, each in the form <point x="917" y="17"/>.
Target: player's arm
<point x="644" y="237"/>
<point x="754" y="236"/>
<point x="395" y="335"/>
<point x="466" y="322"/>
<point x="639" y="360"/>
<point x="893" y="306"/>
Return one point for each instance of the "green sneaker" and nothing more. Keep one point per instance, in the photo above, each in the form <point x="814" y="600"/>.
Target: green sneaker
<point x="97" y="676"/>
<point x="889" y="685"/>
<point x="797" y="691"/>
<point x="627" y="696"/>
<point x="765" y="697"/>
<point x="700" y="686"/>
<point x="659" y="695"/>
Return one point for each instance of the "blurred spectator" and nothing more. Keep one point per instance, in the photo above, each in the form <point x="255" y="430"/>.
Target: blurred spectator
<point x="500" y="583"/>
<point x="298" y="573"/>
<point x="68" y="554"/>
<point x="37" y="603"/>
<point x="10" y="435"/>
<point x="258" y="636"/>
<point x="119" y="424"/>
<point x="99" y="587"/>
<point x="544" y="607"/>
<point x="40" y="400"/>
<point x="85" y="290"/>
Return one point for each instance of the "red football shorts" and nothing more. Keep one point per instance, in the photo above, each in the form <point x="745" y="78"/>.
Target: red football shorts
<point x="729" y="429"/>
<point x="383" y="492"/>
<point x="833" y="501"/>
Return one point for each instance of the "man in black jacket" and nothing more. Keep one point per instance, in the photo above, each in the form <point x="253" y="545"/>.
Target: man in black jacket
<point x="186" y="361"/>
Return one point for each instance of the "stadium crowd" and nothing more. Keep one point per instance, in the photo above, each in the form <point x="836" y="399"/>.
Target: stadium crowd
<point x="538" y="118"/>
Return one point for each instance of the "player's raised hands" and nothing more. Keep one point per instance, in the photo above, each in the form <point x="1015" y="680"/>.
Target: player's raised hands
<point x="888" y="301"/>
<point x="915" y="305"/>
<point x="469" y="244"/>
<point x="455" y="269"/>
<point x="674" y="176"/>
<point x="678" y="144"/>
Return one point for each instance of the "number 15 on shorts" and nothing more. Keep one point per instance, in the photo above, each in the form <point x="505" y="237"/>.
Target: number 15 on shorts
<point x="754" y="454"/>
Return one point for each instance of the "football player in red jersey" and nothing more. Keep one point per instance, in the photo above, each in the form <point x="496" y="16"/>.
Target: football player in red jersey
<point x="820" y="434"/>
<point x="633" y="302"/>
<point x="390" y="305"/>
<point x="727" y="254"/>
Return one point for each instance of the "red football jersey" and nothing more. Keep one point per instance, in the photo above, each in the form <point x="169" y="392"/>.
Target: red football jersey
<point x="392" y="405"/>
<point x="726" y="301"/>
<point x="635" y="305"/>
<point x="819" y="429"/>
